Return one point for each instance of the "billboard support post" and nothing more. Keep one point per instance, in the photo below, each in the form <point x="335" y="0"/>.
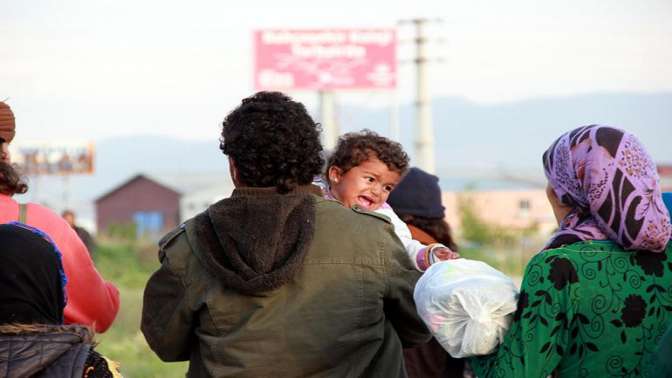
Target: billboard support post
<point x="395" y="133"/>
<point x="330" y="129"/>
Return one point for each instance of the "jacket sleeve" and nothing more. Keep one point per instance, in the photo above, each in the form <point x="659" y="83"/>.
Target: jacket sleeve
<point x="167" y="312"/>
<point x="91" y="300"/>
<point x="538" y="336"/>
<point x="411" y="246"/>
<point x="399" y="305"/>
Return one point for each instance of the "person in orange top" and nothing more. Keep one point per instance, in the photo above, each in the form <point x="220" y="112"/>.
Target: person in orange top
<point x="91" y="300"/>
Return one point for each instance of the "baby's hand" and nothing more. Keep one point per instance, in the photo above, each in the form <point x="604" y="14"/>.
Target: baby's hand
<point x="444" y="253"/>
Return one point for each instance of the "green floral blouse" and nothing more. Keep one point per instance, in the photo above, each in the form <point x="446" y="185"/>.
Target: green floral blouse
<point x="588" y="309"/>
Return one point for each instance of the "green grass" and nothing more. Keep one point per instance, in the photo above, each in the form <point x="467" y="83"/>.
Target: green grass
<point x="129" y="266"/>
<point x="511" y="259"/>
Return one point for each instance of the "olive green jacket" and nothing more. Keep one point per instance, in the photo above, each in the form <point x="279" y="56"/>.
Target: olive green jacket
<point x="263" y="284"/>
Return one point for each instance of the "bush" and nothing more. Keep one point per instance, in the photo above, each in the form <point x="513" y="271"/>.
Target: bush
<point x="122" y="231"/>
<point x="129" y="265"/>
<point x="476" y="230"/>
<point x="507" y="250"/>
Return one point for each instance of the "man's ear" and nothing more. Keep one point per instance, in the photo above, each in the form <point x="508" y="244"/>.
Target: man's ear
<point x="334" y="174"/>
<point x="233" y="171"/>
<point x="4" y="152"/>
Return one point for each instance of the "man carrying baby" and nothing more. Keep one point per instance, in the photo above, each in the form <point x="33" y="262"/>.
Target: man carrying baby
<point x="277" y="280"/>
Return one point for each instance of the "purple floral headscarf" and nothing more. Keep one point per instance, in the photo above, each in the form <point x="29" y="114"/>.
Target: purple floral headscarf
<point x="611" y="183"/>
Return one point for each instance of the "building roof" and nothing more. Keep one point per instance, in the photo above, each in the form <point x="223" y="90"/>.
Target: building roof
<point x="190" y="183"/>
<point x="135" y="178"/>
<point x="181" y="184"/>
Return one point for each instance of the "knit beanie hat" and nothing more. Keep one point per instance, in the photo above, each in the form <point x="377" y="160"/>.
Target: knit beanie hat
<point x="7" y="126"/>
<point x="417" y="194"/>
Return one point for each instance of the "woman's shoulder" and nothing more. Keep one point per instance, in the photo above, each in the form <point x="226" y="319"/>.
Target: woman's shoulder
<point x="596" y="259"/>
<point x="44" y="218"/>
<point x="585" y="249"/>
<point x="592" y="247"/>
<point x="587" y="246"/>
<point x="36" y="208"/>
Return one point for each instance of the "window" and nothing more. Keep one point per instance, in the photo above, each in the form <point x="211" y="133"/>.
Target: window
<point x="524" y="208"/>
<point x="148" y="223"/>
<point x="524" y="205"/>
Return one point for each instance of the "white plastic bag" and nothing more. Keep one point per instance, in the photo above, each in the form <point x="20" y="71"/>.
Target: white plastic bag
<point x="468" y="305"/>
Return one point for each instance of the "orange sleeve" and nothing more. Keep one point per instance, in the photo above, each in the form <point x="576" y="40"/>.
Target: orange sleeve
<point x="91" y="300"/>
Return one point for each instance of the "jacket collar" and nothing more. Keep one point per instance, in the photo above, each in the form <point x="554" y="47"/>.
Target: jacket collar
<point x="248" y="191"/>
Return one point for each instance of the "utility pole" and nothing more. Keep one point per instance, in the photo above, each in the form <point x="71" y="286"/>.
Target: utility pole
<point x="424" y="139"/>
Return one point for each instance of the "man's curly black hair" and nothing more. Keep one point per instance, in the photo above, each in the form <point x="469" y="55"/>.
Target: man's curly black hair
<point x="273" y="142"/>
<point x="355" y="148"/>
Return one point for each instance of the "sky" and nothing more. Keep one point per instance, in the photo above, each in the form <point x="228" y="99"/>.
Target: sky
<point x="95" y="69"/>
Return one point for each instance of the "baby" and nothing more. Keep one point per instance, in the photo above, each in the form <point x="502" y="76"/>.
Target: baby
<point x="362" y="171"/>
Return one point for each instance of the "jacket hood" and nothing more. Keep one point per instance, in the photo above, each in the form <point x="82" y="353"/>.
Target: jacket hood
<point x="29" y="349"/>
<point x="255" y="240"/>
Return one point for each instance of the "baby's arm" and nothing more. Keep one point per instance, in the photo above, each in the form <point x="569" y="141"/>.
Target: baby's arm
<point x="421" y="255"/>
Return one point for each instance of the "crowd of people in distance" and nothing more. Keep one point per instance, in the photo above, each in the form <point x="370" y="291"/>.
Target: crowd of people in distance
<point x="309" y="268"/>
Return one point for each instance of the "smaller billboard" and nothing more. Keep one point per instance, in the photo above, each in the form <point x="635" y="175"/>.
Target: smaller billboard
<point x="325" y="59"/>
<point x="54" y="157"/>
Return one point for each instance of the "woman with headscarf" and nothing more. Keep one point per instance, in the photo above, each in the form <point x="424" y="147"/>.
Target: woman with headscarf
<point x="33" y="339"/>
<point x="92" y="300"/>
<point x="597" y="299"/>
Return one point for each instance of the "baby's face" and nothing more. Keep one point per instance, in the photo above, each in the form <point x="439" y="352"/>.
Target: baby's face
<point x="367" y="185"/>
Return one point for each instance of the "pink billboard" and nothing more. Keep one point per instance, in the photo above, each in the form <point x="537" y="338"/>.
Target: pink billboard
<point x="326" y="59"/>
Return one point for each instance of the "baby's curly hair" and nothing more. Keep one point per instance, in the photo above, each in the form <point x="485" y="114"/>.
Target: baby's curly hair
<point x="357" y="147"/>
<point x="273" y="142"/>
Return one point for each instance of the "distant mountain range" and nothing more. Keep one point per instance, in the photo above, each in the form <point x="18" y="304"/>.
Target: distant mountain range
<point x="514" y="135"/>
<point x="481" y="145"/>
